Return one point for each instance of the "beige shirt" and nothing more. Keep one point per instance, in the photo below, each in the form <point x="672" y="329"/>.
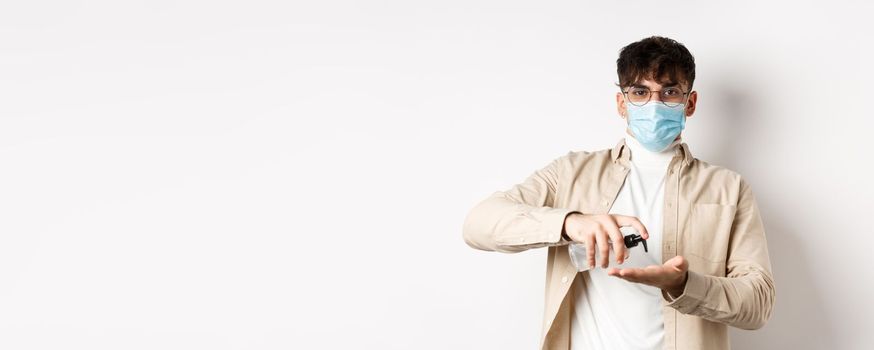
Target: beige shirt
<point x="710" y="218"/>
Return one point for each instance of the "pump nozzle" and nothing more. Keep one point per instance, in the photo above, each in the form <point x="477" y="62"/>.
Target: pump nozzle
<point x="634" y="240"/>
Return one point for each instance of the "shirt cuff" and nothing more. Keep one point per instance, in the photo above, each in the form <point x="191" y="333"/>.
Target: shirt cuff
<point x="546" y="230"/>
<point x="554" y="224"/>
<point x="693" y="293"/>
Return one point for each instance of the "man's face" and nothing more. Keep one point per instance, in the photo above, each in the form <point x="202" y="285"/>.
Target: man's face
<point x="654" y="98"/>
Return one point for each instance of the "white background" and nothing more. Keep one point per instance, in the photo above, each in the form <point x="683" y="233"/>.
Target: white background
<point x="294" y="175"/>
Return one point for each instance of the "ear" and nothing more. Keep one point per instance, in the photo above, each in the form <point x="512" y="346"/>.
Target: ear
<point x="620" y="105"/>
<point x="691" y="103"/>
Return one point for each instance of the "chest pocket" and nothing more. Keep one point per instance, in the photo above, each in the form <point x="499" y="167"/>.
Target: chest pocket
<point x="706" y="239"/>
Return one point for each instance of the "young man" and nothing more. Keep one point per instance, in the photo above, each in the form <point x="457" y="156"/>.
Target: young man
<point x="707" y="264"/>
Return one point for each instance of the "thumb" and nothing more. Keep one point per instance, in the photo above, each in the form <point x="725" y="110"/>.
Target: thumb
<point x="678" y="262"/>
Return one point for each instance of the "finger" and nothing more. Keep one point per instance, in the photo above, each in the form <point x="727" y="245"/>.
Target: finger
<point x="649" y="273"/>
<point x="645" y="276"/>
<point x="630" y="279"/>
<point x="590" y="250"/>
<point x="613" y="271"/>
<point x="603" y="248"/>
<point x="630" y="274"/>
<point x="618" y="242"/>
<point x="623" y="220"/>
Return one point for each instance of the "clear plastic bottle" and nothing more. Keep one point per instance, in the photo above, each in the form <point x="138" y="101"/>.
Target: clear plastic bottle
<point x="577" y="250"/>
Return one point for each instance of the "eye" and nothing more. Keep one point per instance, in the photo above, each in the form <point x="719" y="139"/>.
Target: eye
<point x="637" y="92"/>
<point x="671" y="92"/>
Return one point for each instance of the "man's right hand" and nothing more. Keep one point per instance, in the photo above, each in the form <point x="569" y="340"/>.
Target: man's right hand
<point x="597" y="231"/>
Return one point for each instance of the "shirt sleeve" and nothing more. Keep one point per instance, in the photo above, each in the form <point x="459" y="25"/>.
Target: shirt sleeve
<point x="745" y="297"/>
<point x="520" y="218"/>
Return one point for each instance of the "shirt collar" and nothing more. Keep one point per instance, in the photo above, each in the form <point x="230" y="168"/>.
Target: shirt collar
<point x="617" y="152"/>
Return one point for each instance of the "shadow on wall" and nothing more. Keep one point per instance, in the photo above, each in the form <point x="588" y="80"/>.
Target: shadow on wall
<point x="799" y="320"/>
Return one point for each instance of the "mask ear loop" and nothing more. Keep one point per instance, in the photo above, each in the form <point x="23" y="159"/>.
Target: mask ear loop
<point x="686" y="102"/>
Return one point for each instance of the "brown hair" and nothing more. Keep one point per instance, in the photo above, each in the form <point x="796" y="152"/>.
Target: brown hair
<point x="661" y="59"/>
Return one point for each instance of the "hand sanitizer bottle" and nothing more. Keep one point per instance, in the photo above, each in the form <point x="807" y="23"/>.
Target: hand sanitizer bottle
<point x="577" y="250"/>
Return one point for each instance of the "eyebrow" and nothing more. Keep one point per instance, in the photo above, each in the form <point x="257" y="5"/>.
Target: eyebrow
<point x="669" y="84"/>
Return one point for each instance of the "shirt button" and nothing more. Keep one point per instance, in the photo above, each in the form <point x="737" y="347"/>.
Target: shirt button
<point x="672" y="171"/>
<point x="522" y="239"/>
<point x="606" y="202"/>
<point x="669" y="204"/>
<point x="564" y="279"/>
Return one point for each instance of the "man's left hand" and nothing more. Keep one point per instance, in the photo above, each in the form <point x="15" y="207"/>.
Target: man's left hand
<point x="670" y="277"/>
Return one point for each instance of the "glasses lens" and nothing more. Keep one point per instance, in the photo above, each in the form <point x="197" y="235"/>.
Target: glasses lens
<point x="671" y="97"/>
<point x="638" y="96"/>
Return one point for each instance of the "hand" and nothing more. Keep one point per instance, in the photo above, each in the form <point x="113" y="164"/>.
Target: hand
<point x="595" y="231"/>
<point x="670" y="277"/>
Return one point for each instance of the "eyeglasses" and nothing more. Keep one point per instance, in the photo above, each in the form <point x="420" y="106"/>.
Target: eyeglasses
<point x="670" y="96"/>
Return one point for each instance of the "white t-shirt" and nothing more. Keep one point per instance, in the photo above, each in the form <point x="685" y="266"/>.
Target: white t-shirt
<point x="612" y="313"/>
